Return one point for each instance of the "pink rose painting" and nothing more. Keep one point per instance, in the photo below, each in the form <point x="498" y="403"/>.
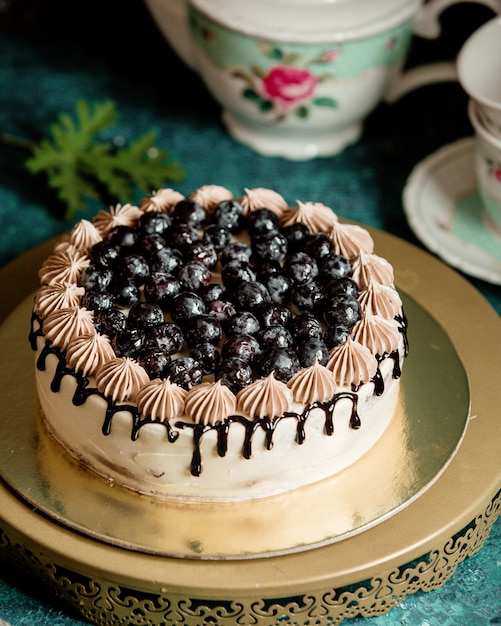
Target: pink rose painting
<point x="494" y="170"/>
<point x="289" y="86"/>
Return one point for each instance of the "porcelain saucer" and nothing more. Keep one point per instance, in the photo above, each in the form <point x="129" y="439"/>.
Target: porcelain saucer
<point x="444" y="209"/>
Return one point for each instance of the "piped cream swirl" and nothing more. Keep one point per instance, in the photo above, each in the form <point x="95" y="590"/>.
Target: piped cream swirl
<point x="87" y="353"/>
<point x="313" y="383"/>
<point x="209" y="196"/>
<point x="378" y="334"/>
<point x="63" y="325"/>
<point x="372" y="267"/>
<point x="318" y="217"/>
<point x="57" y="296"/>
<point x="352" y="363"/>
<point x="380" y="299"/>
<point x="65" y="266"/>
<point x="350" y="240"/>
<point x="161" y="399"/>
<point x="265" y="397"/>
<point x="121" y="379"/>
<point x="209" y="403"/>
<point x="163" y="200"/>
<point x="260" y="197"/>
<point x="119" y="215"/>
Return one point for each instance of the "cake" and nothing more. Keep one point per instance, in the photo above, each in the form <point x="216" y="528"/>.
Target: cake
<point x="214" y="348"/>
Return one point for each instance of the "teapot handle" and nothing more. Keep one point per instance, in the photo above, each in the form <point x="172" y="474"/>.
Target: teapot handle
<point x="427" y="23"/>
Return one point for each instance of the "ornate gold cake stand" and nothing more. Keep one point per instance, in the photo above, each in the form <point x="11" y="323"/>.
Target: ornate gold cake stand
<point x="414" y="543"/>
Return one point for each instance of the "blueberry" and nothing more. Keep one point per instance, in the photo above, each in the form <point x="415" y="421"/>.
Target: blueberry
<point x="218" y="236"/>
<point x="202" y="251"/>
<point x="167" y="260"/>
<point x="185" y="372"/>
<point x="242" y="323"/>
<point x="295" y="235"/>
<point x="244" y="347"/>
<point x="154" y="222"/>
<point x="262" y="221"/>
<point x="133" y="267"/>
<point x="228" y="214"/>
<point x="318" y="246"/>
<point x="335" y="266"/>
<point x="97" y="300"/>
<point x="221" y="310"/>
<point x="283" y="362"/>
<point x="181" y="236"/>
<point x="166" y="336"/>
<point x="343" y="311"/>
<point x="144" y="315"/>
<point x="110" y="321"/>
<point x="300" y="268"/>
<point x="126" y="293"/>
<point x="268" y="268"/>
<point x="190" y="213"/>
<point x="104" y="253"/>
<point x="235" y="373"/>
<point x="274" y="336"/>
<point x="236" y="272"/>
<point x="161" y="288"/>
<point x="212" y="292"/>
<point x="194" y="275"/>
<point x="155" y="362"/>
<point x="129" y="342"/>
<point x="310" y="350"/>
<point x="305" y="326"/>
<point x="269" y="247"/>
<point x="186" y="305"/>
<point x="123" y="236"/>
<point x="342" y="286"/>
<point x="149" y="244"/>
<point x="96" y="277"/>
<point x="202" y="329"/>
<point x="335" y="335"/>
<point x="278" y="286"/>
<point x="207" y="355"/>
<point x="235" y="251"/>
<point x="251" y="296"/>
<point x="309" y="296"/>
<point x="273" y="313"/>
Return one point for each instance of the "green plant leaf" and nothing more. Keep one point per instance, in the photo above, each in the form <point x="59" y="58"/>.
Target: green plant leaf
<point x="78" y="164"/>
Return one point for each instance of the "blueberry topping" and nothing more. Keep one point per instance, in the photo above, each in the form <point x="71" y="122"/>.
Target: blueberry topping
<point x="283" y="362"/>
<point x="228" y="214"/>
<point x="242" y="323"/>
<point x="236" y="251"/>
<point x="202" y="329"/>
<point x="300" y="268"/>
<point x="167" y="336"/>
<point x="311" y="350"/>
<point x="186" y="305"/>
<point x="318" y="246"/>
<point x="123" y="236"/>
<point x="278" y="286"/>
<point x="235" y="373"/>
<point x="342" y="286"/>
<point x="167" y="260"/>
<point x="181" y="236"/>
<point x="271" y="314"/>
<point x="126" y="293"/>
<point x="133" y="267"/>
<point x="145" y="315"/>
<point x="269" y="247"/>
<point x="154" y="222"/>
<point x="110" y="321"/>
<point x="212" y="292"/>
<point x="221" y="310"/>
<point x="129" y="342"/>
<point x="96" y="277"/>
<point x="335" y="335"/>
<point x="104" y="253"/>
<point x="335" y="266"/>
<point x="342" y="311"/>
<point x="161" y="288"/>
<point x="202" y="251"/>
<point x="296" y="235"/>
<point x="244" y="347"/>
<point x="251" y="296"/>
<point x="185" y="372"/>
<point x="193" y="276"/>
<point x="309" y="296"/>
<point x="262" y="221"/>
<point x="207" y="356"/>
<point x="274" y="336"/>
<point x="155" y="362"/>
<point x="218" y="236"/>
<point x="305" y="326"/>
<point x="237" y="272"/>
<point x="189" y="212"/>
<point x="97" y="300"/>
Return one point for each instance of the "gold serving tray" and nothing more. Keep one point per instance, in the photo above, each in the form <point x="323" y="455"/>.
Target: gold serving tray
<point x="416" y="545"/>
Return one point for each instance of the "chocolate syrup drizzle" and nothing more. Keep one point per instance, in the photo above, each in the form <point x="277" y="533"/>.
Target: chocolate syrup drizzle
<point x="83" y="391"/>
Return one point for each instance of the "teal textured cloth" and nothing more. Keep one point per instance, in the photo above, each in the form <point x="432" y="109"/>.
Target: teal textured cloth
<point x="52" y="54"/>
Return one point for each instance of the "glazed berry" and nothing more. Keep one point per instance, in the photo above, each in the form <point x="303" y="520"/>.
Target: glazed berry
<point x="110" y="322"/>
<point x="181" y="236"/>
<point x="194" y="275"/>
<point x="144" y="315"/>
<point x="104" y="253"/>
<point x="309" y="296"/>
<point x="342" y="286"/>
<point x="185" y="372"/>
<point x="278" y="286"/>
<point x="245" y="347"/>
<point x="202" y="251"/>
<point x="125" y="292"/>
<point x="133" y="267"/>
<point x="211" y="292"/>
<point x="242" y="323"/>
<point x="166" y="259"/>
<point x="123" y="236"/>
<point x="166" y="336"/>
<point x="268" y="268"/>
<point x="335" y="335"/>
<point x="312" y="350"/>
<point x="262" y="221"/>
<point x="202" y="329"/>
<point x="161" y="288"/>
<point x="300" y="268"/>
<point x="154" y="222"/>
<point x="318" y="246"/>
<point x="155" y="362"/>
<point x="282" y="362"/>
<point x="235" y="373"/>
<point x="269" y="247"/>
<point x="129" y="342"/>
<point x="272" y="313"/>
<point x="251" y="296"/>
<point x="236" y="251"/>
<point x="235" y="273"/>
<point x="95" y="277"/>
<point x="305" y="326"/>
<point x="186" y="305"/>
<point x="188" y="212"/>
<point x="97" y="300"/>
<point x="342" y="311"/>
<point x="296" y="235"/>
<point x="274" y="336"/>
<point x="221" y="310"/>
<point x="335" y="266"/>
<point x="228" y="214"/>
<point x="218" y="236"/>
<point x="149" y="244"/>
<point x="207" y="356"/>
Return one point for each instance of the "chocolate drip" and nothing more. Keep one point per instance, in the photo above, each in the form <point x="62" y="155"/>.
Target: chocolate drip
<point x="403" y="325"/>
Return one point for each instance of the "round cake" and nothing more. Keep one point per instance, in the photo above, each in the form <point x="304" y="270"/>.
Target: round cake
<point x="214" y="348"/>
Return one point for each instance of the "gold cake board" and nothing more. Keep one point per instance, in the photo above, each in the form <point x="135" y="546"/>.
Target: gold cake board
<point x="368" y="573"/>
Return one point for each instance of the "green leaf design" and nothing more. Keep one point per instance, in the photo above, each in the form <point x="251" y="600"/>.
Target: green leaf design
<point x="270" y="51"/>
<point x="325" y="102"/>
<point x="77" y="164"/>
<point x="302" y="112"/>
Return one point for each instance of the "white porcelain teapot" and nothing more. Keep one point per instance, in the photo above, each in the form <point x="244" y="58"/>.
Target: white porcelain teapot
<point x="297" y="78"/>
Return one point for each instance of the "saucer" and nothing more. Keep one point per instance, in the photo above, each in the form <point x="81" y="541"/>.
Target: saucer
<point x="444" y="209"/>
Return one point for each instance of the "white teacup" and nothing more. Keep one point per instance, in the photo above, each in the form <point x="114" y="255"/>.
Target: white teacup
<point x="488" y="167"/>
<point x="297" y="78"/>
<point x="479" y="72"/>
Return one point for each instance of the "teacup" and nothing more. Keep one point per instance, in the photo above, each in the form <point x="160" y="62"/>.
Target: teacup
<point x="488" y="167"/>
<point x="479" y="72"/>
<point x="297" y="78"/>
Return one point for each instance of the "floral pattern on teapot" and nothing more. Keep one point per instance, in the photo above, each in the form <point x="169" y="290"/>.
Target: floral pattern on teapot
<point x="289" y="79"/>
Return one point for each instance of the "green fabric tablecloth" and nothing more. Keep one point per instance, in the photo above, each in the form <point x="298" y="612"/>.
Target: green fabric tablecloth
<point x="54" y="53"/>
